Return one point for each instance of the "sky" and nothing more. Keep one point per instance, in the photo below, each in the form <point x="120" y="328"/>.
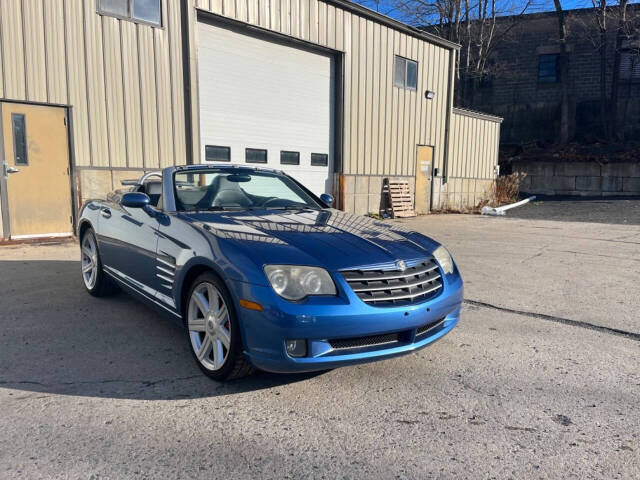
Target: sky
<point x="386" y="6"/>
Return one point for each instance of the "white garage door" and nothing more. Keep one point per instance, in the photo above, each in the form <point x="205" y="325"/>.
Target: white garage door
<point x="266" y="103"/>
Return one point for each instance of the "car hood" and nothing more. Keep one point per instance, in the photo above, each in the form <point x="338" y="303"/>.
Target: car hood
<point x="329" y="238"/>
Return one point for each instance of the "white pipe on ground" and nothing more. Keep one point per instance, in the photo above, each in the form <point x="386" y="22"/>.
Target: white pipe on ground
<point x="500" y="210"/>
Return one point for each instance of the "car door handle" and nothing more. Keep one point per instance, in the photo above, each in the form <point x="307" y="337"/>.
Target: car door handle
<point x="106" y="213"/>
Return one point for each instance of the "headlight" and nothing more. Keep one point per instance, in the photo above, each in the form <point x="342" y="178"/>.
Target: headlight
<point x="295" y="283"/>
<point x="443" y="257"/>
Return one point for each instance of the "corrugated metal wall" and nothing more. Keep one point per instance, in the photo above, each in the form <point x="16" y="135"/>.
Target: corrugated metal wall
<point x="382" y="123"/>
<point x="474" y="141"/>
<point x="124" y="81"/>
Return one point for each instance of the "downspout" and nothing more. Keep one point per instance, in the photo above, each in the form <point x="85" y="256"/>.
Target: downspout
<point x="186" y="78"/>
<point x="447" y="129"/>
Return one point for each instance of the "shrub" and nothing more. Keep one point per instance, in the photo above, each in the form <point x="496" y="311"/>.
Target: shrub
<point x="505" y="190"/>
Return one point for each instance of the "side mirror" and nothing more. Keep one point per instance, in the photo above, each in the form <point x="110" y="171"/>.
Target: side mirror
<point x="327" y="199"/>
<point x="135" y="200"/>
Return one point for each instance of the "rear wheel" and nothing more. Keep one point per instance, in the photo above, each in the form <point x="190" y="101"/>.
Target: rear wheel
<point x="213" y="331"/>
<point x="96" y="282"/>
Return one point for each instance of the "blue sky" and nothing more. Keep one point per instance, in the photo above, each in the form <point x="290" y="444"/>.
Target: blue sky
<point x="387" y="6"/>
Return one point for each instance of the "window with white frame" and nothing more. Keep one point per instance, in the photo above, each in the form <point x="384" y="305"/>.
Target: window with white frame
<point x="405" y="73"/>
<point x="145" y="11"/>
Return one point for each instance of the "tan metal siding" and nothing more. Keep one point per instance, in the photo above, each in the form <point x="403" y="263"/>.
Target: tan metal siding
<point x="474" y="145"/>
<point x="32" y="11"/>
<point x="123" y="81"/>
<point x="382" y="123"/>
<point x="55" y="53"/>
<point x="12" y="49"/>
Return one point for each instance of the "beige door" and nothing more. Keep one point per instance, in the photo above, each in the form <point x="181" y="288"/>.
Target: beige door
<point x="36" y="152"/>
<point x="424" y="169"/>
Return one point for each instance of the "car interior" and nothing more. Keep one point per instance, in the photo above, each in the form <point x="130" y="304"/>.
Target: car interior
<point x="226" y="191"/>
<point x="153" y="189"/>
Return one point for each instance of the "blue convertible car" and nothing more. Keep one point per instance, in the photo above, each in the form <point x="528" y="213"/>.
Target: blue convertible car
<point x="264" y="274"/>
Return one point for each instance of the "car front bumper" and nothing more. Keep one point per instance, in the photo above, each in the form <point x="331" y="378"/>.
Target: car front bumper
<point x="325" y="322"/>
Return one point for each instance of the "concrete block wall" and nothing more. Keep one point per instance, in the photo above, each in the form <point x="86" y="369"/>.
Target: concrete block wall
<point x="459" y="193"/>
<point x="363" y="193"/>
<point x="580" y="178"/>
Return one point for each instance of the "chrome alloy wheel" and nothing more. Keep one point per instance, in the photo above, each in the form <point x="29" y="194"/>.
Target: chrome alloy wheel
<point x="209" y="326"/>
<point x="89" y="261"/>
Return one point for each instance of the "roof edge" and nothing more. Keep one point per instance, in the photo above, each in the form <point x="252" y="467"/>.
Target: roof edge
<point x="391" y="22"/>
<point x="475" y="114"/>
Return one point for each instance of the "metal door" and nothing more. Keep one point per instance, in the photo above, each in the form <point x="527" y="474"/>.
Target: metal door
<point x="424" y="172"/>
<point x="34" y="179"/>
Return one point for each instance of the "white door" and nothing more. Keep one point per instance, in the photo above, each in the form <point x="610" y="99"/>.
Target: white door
<point x="269" y="98"/>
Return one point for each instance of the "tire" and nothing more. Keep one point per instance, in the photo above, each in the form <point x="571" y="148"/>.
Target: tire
<point x="212" y="330"/>
<point x="95" y="281"/>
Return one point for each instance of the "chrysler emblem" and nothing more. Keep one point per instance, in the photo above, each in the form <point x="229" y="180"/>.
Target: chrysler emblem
<point x="402" y="266"/>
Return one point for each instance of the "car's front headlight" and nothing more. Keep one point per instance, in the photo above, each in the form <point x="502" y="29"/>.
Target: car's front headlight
<point x="294" y="282"/>
<point x="443" y="257"/>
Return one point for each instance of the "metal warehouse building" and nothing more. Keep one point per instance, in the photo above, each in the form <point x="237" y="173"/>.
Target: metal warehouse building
<point x="96" y="91"/>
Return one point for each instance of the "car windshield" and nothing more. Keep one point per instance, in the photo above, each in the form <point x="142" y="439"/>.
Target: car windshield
<point x="238" y="189"/>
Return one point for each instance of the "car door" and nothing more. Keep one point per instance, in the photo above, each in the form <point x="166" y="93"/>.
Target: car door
<point x="128" y="239"/>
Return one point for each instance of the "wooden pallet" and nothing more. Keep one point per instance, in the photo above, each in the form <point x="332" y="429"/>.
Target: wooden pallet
<point x="400" y="198"/>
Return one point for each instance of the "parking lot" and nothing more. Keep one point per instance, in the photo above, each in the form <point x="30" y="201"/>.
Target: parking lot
<point x="541" y="378"/>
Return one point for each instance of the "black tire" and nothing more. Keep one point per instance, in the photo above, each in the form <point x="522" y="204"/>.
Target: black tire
<point x="103" y="285"/>
<point x="236" y="364"/>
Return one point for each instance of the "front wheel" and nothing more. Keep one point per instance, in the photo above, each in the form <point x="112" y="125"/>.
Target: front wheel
<point x="213" y="331"/>
<point x="93" y="276"/>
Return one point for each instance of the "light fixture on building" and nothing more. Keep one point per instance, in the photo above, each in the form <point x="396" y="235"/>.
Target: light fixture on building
<point x="428" y="94"/>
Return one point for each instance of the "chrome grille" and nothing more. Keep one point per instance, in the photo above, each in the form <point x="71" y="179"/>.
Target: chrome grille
<point x="396" y="287"/>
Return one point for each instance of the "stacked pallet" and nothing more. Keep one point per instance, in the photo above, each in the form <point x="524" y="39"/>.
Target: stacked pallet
<point x="399" y="198"/>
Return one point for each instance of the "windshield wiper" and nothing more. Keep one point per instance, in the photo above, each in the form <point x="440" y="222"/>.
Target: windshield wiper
<point x="290" y="207"/>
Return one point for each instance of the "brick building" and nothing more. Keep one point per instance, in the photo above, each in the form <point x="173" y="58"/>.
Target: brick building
<point x="523" y="85"/>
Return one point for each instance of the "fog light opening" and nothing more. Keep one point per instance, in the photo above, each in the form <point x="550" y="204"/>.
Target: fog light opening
<point x="296" y="347"/>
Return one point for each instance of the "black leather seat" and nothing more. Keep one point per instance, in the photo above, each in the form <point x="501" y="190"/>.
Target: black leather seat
<point x="228" y="194"/>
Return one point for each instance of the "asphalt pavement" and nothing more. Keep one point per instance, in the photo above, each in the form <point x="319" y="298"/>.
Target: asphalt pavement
<point x="540" y="379"/>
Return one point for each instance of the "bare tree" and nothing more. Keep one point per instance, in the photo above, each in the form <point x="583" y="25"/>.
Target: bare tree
<point x="601" y="44"/>
<point x="471" y="23"/>
<point x="563" y="60"/>
<point x="622" y="32"/>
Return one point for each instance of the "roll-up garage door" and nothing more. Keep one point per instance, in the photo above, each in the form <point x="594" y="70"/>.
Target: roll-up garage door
<point x="266" y="103"/>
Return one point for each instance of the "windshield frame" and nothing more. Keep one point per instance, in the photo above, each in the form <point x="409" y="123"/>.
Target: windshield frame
<point x="241" y="169"/>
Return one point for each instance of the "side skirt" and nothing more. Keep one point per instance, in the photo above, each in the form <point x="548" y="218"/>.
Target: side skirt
<point x="146" y="295"/>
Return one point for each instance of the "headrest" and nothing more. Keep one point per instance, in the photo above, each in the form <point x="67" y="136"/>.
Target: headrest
<point x="153" y="188"/>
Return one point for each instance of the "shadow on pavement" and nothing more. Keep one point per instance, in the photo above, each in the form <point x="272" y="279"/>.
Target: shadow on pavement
<point x="56" y="338"/>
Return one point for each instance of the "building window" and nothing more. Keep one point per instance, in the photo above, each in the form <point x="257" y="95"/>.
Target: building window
<point x="405" y="73"/>
<point x="630" y="66"/>
<point x="548" y="68"/>
<point x="214" y="153"/>
<point x="289" y="158"/>
<point x="146" y="11"/>
<point x="19" y="126"/>
<point x="319" y="159"/>
<point x="255" y="155"/>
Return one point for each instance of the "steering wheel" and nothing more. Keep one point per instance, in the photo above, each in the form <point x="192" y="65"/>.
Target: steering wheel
<point x="277" y="202"/>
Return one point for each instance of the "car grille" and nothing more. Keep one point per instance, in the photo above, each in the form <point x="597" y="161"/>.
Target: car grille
<point x="422" y="332"/>
<point x="429" y="328"/>
<point x="373" y="340"/>
<point x="396" y="287"/>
